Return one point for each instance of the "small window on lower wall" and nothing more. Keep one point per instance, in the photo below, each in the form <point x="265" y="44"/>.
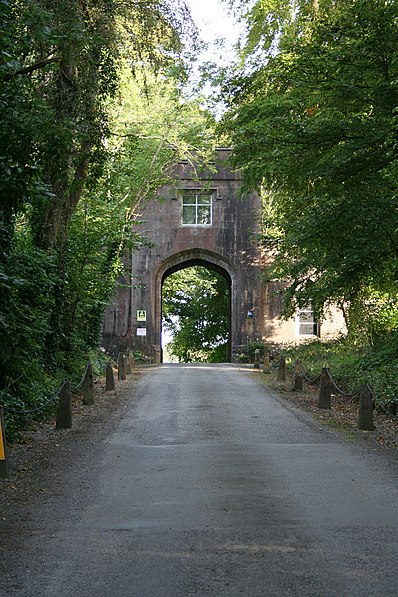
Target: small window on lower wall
<point x="306" y="323"/>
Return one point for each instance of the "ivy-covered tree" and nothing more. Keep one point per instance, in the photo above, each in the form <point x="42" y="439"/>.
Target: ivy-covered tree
<point x="313" y="121"/>
<point x="196" y="311"/>
<point x="66" y="210"/>
<point x="59" y="75"/>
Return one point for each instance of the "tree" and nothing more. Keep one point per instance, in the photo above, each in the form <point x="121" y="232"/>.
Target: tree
<point x="196" y="312"/>
<point x="151" y="128"/>
<point x="314" y="127"/>
<point x="59" y="76"/>
<point x="66" y="212"/>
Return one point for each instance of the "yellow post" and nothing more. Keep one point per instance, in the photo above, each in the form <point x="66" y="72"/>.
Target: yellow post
<point x="3" y="449"/>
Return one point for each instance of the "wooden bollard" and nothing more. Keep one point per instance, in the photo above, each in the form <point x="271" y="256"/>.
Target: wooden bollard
<point x="281" y="376"/>
<point x="88" y="386"/>
<point x="365" y="416"/>
<point x="127" y="365"/>
<point x="64" y="412"/>
<point x="3" y="448"/>
<point x="266" y="365"/>
<point x="324" y="400"/>
<point x="298" y="378"/>
<point x="257" y="359"/>
<point x="109" y="378"/>
<point x="121" y="369"/>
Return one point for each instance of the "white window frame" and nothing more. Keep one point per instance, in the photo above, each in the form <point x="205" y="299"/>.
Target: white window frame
<point x="196" y="195"/>
<point x="308" y="320"/>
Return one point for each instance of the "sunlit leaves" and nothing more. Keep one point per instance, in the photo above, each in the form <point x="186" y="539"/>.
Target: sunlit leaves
<point x="314" y="125"/>
<point x="65" y="186"/>
<point x="196" y="312"/>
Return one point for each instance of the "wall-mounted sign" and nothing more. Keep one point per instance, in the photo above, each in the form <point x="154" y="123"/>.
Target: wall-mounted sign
<point x="141" y="331"/>
<point x="141" y="315"/>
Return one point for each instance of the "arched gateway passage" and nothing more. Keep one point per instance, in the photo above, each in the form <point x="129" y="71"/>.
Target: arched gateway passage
<point x="200" y="218"/>
<point x="211" y="262"/>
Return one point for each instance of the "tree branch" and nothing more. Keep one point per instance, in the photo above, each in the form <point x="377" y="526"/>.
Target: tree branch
<point x="33" y="67"/>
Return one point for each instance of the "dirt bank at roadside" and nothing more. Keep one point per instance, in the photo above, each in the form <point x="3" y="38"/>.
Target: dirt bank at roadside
<point x="342" y="417"/>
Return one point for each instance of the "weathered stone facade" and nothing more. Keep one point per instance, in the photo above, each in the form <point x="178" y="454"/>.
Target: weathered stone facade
<point x="228" y="245"/>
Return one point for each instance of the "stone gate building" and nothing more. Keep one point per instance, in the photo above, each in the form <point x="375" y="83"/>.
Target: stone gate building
<point x="202" y="219"/>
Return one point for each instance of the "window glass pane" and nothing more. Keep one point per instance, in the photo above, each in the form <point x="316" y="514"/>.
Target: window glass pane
<point x="306" y="316"/>
<point x="307" y="329"/>
<point x="196" y="210"/>
<point x="307" y="322"/>
<point x="189" y="214"/>
<point x="204" y="215"/>
<point x="189" y="200"/>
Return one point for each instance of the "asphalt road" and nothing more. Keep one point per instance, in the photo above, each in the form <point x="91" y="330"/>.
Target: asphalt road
<point x="210" y="485"/>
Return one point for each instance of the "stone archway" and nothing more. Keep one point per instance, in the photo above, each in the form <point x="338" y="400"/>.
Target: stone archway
<point x="206" y="259"/>
<point x="226" y="242"/>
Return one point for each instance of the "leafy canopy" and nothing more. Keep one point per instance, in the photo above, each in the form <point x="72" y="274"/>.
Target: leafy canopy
<point x="92" y="116"/>
<point x="196" y="313"/>
<point x="313" y="124"/>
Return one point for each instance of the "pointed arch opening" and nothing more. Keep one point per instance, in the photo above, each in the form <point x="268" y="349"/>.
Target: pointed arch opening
<point x="206" y="306"/>
<point x="196" y="314"/>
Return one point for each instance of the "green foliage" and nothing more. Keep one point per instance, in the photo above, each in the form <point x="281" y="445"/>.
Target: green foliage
<point x="196" y="312"/>
<point x="154" y="126"/>
<point x="353" y="364"/>
<point x="101" y="232"/>
<point x="313" y="122"/>
<point x="26" y="298"/>
<point x="69" y="186"/>
<point x="246" y="352"/>
<point x="374" y="316"/>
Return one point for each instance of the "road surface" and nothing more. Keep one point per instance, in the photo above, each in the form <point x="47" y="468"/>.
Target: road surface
<point x="210" y="485"/>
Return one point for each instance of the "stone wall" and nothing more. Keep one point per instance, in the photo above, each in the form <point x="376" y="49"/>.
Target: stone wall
<point x="229" y="245"/>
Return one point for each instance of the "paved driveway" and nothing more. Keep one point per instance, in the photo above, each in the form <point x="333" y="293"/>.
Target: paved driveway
<point x="212" y="486"/>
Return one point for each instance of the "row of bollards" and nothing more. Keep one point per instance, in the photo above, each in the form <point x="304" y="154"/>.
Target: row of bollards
<point x="64" y="410"/>
<point x="64" y="413"/>
<point x="365" y="413"/>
